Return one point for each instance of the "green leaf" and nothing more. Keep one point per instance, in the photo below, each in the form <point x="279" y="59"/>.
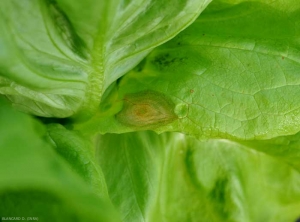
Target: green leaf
<point x="79" y="152"/>
<point x="127" y="30"/>
<point x="57" y="57"/>
<point x="172" y="177"/>
<point x="232" y="74"/>
<point x="42" y="60"/>
<point x="131" y="165"/>
<point x="36" y="182"/>
<point x="284" y="148"/>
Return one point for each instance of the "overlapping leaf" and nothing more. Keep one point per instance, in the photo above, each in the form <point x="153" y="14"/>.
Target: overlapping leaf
<point x="176" y="178"/>
<point x="36" y="182"/>
<point x="233" y="73"/>
<point x="57" y="57"/>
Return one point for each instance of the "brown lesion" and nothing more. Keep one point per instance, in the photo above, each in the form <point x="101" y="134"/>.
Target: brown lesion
<point x="142" y="111"/>
<point x="146" y="109"/>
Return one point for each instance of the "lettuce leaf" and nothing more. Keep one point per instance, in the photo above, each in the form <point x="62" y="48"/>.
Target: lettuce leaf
<point x="172" y="177"/>
<point x="36" y="182"/>
<point x="221" y="89"/>
<point x="57" y="57"/>
<point x="231" y="74"/>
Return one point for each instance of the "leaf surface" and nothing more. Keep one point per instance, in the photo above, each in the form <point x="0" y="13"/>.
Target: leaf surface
<point x="36" y="182"/>
<point x="172" y="177"/>
<point x="233" y="73"/>
<point x="58" y="57"/>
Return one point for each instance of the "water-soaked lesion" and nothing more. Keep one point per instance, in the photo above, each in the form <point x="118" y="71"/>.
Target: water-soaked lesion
<point x="166" y="60"/>
<point x="146" y="109"/>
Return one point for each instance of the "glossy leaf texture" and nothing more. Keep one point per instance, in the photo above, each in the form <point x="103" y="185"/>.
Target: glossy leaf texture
<point x="79" y="152"/>
<point x="172" y="177"/>
<point x="284" y="148"/>
<point x="43" y="61"/>
<point x="131" y="165"/>
<point x="36" y="182"/>
<point x="232" y="74"/>
<point x="57" y="57"/>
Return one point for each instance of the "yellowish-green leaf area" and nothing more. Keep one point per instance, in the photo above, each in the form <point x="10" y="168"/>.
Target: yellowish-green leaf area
<point x="146" y="110"/>
<point x="175" y="178"/>
<point x="57" y="57"/>
<point x="229" y="78"/>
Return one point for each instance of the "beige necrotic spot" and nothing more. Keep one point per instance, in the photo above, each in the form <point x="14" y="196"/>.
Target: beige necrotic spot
<point x="146" y="109"/>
